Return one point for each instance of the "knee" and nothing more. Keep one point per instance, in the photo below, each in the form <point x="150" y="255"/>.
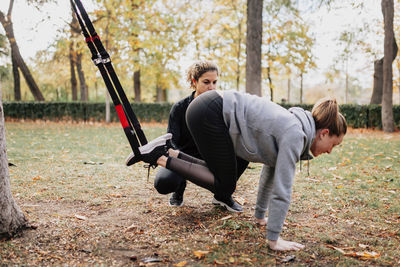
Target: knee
<point x="165" y="183"/>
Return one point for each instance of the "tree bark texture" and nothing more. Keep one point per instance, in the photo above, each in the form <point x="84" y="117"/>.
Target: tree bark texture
<point x="72" y="64"/>
<point x="81" y="76"/>
<point x="159" y="93"/>
<point x="12" y="219"/>
<point x="387" y="98"/>
<point x="377" y="90"/>
<point x="253" y="46"/>
<point x="301" y="88"/>
<point x="136" y="85"/>
<point x="17" y="79"/>
<point x="8" y="28"/>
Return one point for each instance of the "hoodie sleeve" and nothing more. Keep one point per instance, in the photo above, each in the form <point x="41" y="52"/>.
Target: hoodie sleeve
<point x="264" y="191"/>
<point x="290" y="147"/>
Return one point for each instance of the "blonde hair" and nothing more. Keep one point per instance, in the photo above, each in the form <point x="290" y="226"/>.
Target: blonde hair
<point x="199" y="68"/>
<point x="327" y="116"/>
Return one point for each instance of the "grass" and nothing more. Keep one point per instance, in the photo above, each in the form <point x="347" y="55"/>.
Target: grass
<point x="91" y="210"/>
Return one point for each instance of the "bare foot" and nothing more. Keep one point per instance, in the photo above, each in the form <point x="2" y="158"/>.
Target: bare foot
<point x="262" y="221"/>
<point x="283" y="245"/>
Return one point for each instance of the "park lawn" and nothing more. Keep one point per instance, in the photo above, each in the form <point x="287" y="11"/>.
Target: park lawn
<point x="92" y="210"/>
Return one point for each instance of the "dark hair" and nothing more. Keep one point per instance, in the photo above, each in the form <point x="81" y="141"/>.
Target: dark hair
<point x="327" y="116"/>
<point x="199" y="68"/>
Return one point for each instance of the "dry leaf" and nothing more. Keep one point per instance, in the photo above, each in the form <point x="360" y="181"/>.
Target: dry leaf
<point x="231" y="260"/>
<point x="219" y="262"/>
<point x="288" y="258"/>
<point x="364" y="255"/>
<point x="240" y="200"/>
<point x="80" y="217"/>
<point x="226" y="218"/>
<point x="130" y="228"/>
<point x="200" y="253"/>
<point x="180" y="264"/>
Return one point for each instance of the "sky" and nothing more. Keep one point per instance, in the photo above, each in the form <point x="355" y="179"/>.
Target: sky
<point x="35" y="30"/>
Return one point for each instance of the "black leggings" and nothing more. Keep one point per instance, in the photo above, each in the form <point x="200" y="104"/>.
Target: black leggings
<point x="206" y="124"/>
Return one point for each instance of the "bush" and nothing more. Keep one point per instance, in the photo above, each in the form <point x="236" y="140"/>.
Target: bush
<point x="79" y="111"/>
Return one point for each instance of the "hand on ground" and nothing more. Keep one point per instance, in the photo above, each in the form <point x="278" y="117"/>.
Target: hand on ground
<point x="283" y="245"/>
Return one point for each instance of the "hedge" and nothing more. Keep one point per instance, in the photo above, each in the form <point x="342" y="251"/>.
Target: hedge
<point x="357" y="116"/>
<point x="80" y="111"/>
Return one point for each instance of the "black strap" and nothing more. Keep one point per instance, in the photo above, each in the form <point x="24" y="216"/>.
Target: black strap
<point x="102" y="60"/>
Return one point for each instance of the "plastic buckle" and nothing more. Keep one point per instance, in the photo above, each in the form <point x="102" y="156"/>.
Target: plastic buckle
<point x="106" y="60"/>
<point x="97" y="61"/>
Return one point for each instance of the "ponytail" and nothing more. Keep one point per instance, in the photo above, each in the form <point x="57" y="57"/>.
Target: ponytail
<point x="327" y="116"/>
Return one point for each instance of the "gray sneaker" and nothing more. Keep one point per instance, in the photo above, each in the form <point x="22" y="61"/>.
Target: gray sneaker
<point x="229" y="204"/>
<point x="176" y="200"/>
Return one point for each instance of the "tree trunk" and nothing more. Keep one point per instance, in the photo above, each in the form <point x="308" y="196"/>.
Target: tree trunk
<point x="387" y="98"/>
<point x="8" y="28"/>
<point x="377" y="90"/>
<point x="17" y="79"/>
<point x="301" y="88"/>
<point x="346" y="93"/>
<point x="159" y="93"/>
<point x="253" y="46"/>
<point x="136" y="85"/>
<point x="72" y="63"/>
<point x="108" y="119"/>
<point x="239" y="51"/>
<point x="271" y="90"/>
<point x="81" y="76"/>
<point x="288" y="91"/>
<point x="12" y="219"/>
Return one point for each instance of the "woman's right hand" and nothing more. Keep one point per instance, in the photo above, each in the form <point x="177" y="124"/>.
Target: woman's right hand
<point x="283" y="245"/>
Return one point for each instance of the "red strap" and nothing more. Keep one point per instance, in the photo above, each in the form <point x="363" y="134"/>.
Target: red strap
<point x="121" y="116"/>
<point x="91" y="39"/>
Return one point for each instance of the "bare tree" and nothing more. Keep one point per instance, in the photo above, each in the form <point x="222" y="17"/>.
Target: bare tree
<point x="16" y="55"/>
<point x="387" y="98"/>
<point x="253" y="46"/>
<point x="136" y="85"/>
<point x="377" y="91"/>
<point x="12" y="219"/>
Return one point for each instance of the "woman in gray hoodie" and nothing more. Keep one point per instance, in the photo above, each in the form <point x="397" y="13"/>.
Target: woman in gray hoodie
<point x="227" y="125"/>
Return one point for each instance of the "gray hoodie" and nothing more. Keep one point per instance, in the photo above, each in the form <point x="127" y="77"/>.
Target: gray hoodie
<point x="265" y="132"/>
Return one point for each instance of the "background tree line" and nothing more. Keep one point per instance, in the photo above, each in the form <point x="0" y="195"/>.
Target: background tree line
<point x="149" y="40"/>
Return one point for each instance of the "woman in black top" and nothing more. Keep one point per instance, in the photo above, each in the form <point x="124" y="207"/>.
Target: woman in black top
<point x="202" y="76"/>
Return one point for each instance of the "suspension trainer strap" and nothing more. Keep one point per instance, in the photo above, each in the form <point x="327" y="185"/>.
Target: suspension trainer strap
<point x="102" y="60"/>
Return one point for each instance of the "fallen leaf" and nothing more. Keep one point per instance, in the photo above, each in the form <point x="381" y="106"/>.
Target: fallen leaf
<point x="240" y="200"/>
<point x="364" y="255"/>
<point x="36" y="178"/>
<point x="288" y="258"/>
<point x="181" y="264"/>
<point x="80" y="217"/>
<point x="226" y="218"/>
<point x="200" y="253"/>
<point x="231" y="260"/>
<point x="219" y="262"/>
<point x="130" y="228"/>
<point x="151" y="259"/>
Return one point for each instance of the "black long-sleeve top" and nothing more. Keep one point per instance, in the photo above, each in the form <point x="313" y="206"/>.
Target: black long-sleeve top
<point x="181" y="137"/>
